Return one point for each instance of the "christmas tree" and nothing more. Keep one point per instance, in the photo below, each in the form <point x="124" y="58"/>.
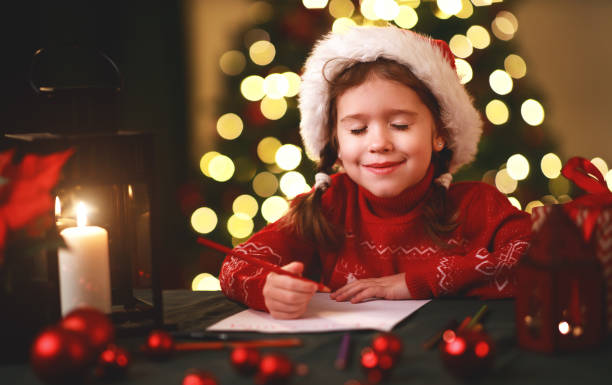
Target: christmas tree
<point x="259" y="164"/>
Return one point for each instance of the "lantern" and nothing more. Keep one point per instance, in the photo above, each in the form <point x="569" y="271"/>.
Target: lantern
<point x="560" y="299"/>
<point x="111" y="172"/>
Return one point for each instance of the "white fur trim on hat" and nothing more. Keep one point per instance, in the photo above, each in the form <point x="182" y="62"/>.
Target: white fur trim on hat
<point x="335" y="51"/>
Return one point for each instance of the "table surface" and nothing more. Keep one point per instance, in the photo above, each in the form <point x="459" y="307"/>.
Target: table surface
<point x="197" y="310"/>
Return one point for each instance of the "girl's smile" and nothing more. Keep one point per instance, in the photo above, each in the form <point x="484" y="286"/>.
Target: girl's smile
<point x="385" y="136"/>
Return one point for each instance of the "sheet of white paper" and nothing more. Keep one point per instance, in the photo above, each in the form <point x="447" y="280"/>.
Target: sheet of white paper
<point x="325" y="314"/>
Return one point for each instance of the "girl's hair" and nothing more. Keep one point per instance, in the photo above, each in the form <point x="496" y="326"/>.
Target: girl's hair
<point x="306" y="216"/>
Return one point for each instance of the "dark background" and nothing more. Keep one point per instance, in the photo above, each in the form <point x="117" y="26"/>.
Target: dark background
<point x="145" y="40"/>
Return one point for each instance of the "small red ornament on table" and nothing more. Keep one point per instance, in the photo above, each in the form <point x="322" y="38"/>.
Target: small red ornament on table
<point x="159" y="345"/>
<point x="245" y="360"/>
<point x="61" y="356"/>
<point x="274" y="369"/>
<point x="94" y="324"/>
<point x="467" y="353"/>
<point x="199" y="377"/>
<point x="113" y="363"/>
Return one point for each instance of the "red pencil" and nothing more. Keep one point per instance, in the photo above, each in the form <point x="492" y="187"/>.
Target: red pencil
<point x="257" y="261"/>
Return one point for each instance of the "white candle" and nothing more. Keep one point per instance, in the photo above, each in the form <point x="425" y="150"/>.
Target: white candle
<point x="84" y="267"/>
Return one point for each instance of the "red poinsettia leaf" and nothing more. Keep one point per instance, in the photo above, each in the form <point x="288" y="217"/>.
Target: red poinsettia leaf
<point x="30" y="186"/>
<point x="5" y="160"/>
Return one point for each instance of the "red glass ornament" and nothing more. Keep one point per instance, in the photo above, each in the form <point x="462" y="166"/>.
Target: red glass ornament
<point x="199" y="377"/>
<point x="467" y="354"/>
<point x="274" y="369"/>
<point x="113" y="362"/>
<point x="387" y="344"/>
<point x="245" y="360"/>
<point x="61" y="356"/>
<point x="94" y="324"/>
<point x="160" y="345"/>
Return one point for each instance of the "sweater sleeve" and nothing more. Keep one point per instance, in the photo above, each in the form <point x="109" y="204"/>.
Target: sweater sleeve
<point x="494" y="236"/>
<point x="244" y="282"/>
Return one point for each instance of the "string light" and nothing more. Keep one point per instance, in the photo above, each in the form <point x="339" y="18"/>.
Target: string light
<point x="533" y="204"/>
<point x="551" y="165"/>
<point x="386" y="9"/>
<point x="464" y="70"/>
<point x="266" y="149"/>
<point x="497" y="112"/>
<point x="275" y="86"/>
<point x="517" y="167"/>
<point x="294" y="82"/>
<point x="504" y="182"/>
<point x="273" y="109"/>
<point x="221" y="168"/>
<point x="407" y="17"/>
<point x="288" y="157"/>
<point x="467" y="10"/>
<point x="252" y="88"/>
<point x="245" y="204"/>
<point x="342" y="25"/>
<point x="262" y="52"/>
<point x="265" y="184"/>
<point x="205" y="160"/>
<point x="450" y="7"/>
<point x="341" y="8"/>
<point x="273" y="208"/>
<point x="229" y="126"/>
<point x="479" y="36"/>
<point x="292" y="184"/>
<point x="500" y="82"/>
<point x="367" y="9"/>
<point x="515" y="66"/>
<point x="504" y="26"/>
<point x="204" y="220"/>
<point x="532" y="112"/>
<point x="461" y="46"/>
<point x="240" y="225"/>
<point x="608" y="178"/>
<point x="205" y="282"/>
<point x="515" y="202"/>
<point x="601" y="165"/>
<point x="314" y="4"/>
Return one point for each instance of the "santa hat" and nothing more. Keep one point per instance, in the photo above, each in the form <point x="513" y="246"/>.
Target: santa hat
<point x="430" y="60"/>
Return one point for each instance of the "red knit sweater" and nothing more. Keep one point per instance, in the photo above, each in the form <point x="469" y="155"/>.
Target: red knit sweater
<point x="386" y="236"/>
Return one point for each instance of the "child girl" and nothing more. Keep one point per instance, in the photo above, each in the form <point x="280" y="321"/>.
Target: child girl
<point x="384" y="105"/>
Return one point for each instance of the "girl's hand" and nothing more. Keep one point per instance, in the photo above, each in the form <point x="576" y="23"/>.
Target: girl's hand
<point x="287" y="297"/>
<point x="389" y="287"/>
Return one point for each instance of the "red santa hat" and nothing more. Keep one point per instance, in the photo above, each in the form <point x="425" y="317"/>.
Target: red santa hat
<point x="430" y="60"/>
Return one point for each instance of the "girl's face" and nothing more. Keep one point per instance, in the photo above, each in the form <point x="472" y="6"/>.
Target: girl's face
<point x="385" y="136"/>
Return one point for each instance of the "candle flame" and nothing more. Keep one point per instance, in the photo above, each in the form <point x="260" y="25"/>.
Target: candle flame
<point x="58" y="207"/>
<point x="81" y="212"/>
<point x="130" y="192"/>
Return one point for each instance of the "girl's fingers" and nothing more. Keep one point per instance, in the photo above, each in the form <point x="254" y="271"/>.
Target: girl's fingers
<point x="367" y="293"/>
<point x="275" y="305"/>
<point x="351" y="290"/>
<point x="289" y="283"/>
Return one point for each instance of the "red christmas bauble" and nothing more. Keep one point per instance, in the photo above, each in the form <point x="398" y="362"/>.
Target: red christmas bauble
<point x="245" y="360"/>
<point x="113" y="362"/>
<point x="199" y="377"/>
<point x="93" y="323"/>
<point x="274" y="369"/>
<point x="376" y="366"/>
<point x="467" y="354"/>
<point x="60" y="355"/>
<point x="387" y="344"/>
<point x="159" y="345"/>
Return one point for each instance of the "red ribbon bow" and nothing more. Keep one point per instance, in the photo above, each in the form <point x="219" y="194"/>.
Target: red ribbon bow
<point x="586" y="176"/>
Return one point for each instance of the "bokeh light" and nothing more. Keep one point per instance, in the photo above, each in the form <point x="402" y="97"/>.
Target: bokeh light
<point x="252" y="88"/>
<point x="559" y="186"/>
<point x="273" y="208"/>
<point x="367" y="9"/>
<point x="229" y="126"/>
<point x="407" y="17"/>
<point x="266" y="149"/>
<point x="265" y="184"/>
<point x="314" y="4"/>
<point x="205" y="282"/>
<point x="531" y="205"/>
<point x="288" y="156"/>
<point x="205" y="160"/>
<point x="245" y="204"/>
<point x="504" y="182"/>
<point x="461" y="46"/>
<point x="386" y="9"/>
<point x="342" y="25"/>
<point x="221" y="168"/>
<point x="497" y="112"/>
<point x="518" y="167"/>
<point x="273" y="109"/>
<point x="504" y="26"/>
<point x="275" y="86"/>
<point x="232" y="62"/>
<point x="341" y="8"/>
<point x="479" y="36"/>
<point x="515" y="202"/>
<point x="262" y="52"/>
<point x="293" y="183"/>
<point x="532" y="112"/>
<point x="551" y="165"/>
<point x="608" y="178"/>
<point x="240" y="225"/>
<point x="450" y="7"/>
<point x="204" y="220"/>
<point x="601" y="165"/>
<point x="464" y="70"/>
<point x="467" y="10"/>
<point x="500" y="82"/>
<point x="294" y="82"/>
<point x="515" y="66"/>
